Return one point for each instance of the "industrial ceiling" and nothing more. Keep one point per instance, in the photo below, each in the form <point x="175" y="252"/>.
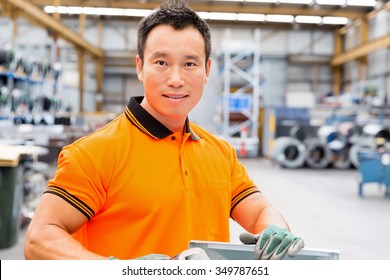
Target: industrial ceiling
<point x="285" y="14"/>
<point x="356" y="11"/>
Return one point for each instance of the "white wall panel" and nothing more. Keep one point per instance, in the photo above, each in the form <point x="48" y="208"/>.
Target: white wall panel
<point x="298" y="42"/>
<point x="30" y="35"/>
<point x="324" y="44"/>
<point x="274" y="42"/>
<point x="299" y="87"/>
<point x="275" y="80"/>
<point x="377" y="62"/>
<point x="119" y="36"/>
<point x="113" y="39"/>
<point x="352" y="38"/>
<point x="5" y="31"/>
<point x="379" y="25"/>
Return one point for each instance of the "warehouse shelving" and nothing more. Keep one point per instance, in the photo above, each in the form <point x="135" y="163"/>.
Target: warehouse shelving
<point x="241" y="93"/>
<point x="28" y="85"/>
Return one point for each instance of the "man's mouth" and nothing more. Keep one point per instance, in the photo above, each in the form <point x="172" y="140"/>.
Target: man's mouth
<point x="175" y="96"/>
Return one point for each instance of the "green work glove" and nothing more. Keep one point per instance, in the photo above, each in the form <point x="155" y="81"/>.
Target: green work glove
<point x="273" y="243"/>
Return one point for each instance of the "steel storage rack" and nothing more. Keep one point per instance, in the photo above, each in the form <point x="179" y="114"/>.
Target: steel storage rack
<point x="240" y="64"/>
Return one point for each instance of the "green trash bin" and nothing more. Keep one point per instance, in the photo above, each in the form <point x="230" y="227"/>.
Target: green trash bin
<point x="11" y="197"/>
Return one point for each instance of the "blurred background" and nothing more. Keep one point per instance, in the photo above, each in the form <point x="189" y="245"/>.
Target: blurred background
<point x="300" y="88"/>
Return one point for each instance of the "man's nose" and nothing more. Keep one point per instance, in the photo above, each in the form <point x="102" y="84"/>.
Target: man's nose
<point x="175" y="78"/>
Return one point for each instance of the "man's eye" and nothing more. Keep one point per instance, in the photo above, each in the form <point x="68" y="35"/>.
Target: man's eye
<point x="161" y="63"/>
<point x="190" y="64"/>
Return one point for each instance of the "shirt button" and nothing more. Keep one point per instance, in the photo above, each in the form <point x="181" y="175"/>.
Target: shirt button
<point x="185" y="172"/>
<point x="173" y="138"/>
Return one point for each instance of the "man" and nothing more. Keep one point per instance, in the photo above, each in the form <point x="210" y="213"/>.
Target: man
<point x="151" y="181"/>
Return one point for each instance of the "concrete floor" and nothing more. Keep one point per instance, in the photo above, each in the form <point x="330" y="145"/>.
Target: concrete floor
<point x="321" y="206"/>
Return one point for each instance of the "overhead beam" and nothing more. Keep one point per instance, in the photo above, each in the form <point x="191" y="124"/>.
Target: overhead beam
<point x="361" y="51"/>
<point x="373" y="13"/>
<point x="40" y="17"/>
<point x="366" y="47"/>
<point x="216" y="7"/>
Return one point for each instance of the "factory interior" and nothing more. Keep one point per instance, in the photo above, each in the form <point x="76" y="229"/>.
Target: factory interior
<point x="299" y="88"/>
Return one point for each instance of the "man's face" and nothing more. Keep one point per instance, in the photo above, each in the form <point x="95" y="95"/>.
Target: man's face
<point x="174" y="72"/>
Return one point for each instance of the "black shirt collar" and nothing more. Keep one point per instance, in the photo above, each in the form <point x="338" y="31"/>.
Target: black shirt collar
<point x="138" y="116"/>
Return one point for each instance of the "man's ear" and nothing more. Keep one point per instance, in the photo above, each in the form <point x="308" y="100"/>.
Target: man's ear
<point x="139" y="65"/>
<point x="208" y="68"/>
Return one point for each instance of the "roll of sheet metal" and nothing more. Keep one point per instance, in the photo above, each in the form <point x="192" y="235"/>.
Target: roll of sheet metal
<point x="340" y="159"/>
<point x="331" y="137"/>
<point x="364" y="143"/>
<point x="376" y="131"/>
<point x="299" y="132"/>
<point x="354" y="133"/>
<point x="289" y="152"/>
<point x="318" y="154"/>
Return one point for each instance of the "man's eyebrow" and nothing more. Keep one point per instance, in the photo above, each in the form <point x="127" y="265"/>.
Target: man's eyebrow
<point x="194" y="57"/>
<point x="158" y="55"/>
<point x="164" y="55"/>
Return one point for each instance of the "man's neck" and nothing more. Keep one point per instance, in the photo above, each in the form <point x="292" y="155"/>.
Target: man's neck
<point x="173" y="124"/>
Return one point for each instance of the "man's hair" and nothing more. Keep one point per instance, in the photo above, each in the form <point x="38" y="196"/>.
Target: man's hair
<point x="177" y="14"/>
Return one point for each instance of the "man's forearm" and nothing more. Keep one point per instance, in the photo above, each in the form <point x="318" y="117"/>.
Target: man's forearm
<point x="269" y="216"/>
<point x="52" y="242"/>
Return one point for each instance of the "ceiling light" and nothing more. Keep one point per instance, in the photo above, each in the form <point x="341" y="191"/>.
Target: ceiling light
<point x="230" y="0"/>
<point x="203" y="15"/>
<point x="89" y="10"/>
<point x="335" y="20"/>
<point x="222" y="16"/>
<point x="75" y="10"/>
<point x="110" y="12"/>
<point x="251" y="17"/>
<point x="279" y="18"/>
<point x="137" y="12"/>
<point x="331" y="2"/>
<point x="262" y="1"/>
<point x="296" y="1"/>
<point x="62" y="10"/>
<point x="50" y="9"/>
<point x="369" y="3"/>
<point x="308" y="19"/>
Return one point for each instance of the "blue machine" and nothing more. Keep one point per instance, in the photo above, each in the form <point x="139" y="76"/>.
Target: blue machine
<point x="374" y="167"/>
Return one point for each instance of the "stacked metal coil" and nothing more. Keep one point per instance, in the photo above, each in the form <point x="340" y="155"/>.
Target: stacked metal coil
<point x="289" y="152"/>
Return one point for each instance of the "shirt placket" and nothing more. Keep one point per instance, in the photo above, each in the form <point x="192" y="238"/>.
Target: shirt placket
<point x="185" y="170"/>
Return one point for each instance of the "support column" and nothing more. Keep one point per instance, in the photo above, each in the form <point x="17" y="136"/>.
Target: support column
<point x="99" y="84"/>
<point x="99" y="66"/>
<point x="14" y="28"/>
<point x="337" y="70"/>
<point x="81" y="70"/>
<point x="81" y="62"/>
<point x="362" y="71"/>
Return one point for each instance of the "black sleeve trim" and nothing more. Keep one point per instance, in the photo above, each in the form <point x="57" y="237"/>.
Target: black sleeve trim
<point x="241" y="196"/>
<point x="71" y="199"/>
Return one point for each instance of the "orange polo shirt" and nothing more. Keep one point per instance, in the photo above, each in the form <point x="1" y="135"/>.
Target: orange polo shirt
<point x="147" y="190"/>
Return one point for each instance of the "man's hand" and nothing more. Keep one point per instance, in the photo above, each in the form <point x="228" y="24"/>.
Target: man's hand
<point x="199" y="254"/>
<point x="154" y="257"/>
<point x="151" y="257"/>
<point x="273" y="243"/>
